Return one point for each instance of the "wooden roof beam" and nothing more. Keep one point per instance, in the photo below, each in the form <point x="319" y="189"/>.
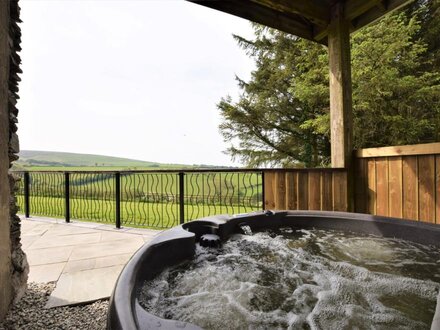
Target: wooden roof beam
<point x="316" y="11"/>
<point x="361" y="13"/>
<point x="382" y="5"/>
<point x="375" y="13"/>
<point x="255" y="12"/>
<point x="355" y="8"/>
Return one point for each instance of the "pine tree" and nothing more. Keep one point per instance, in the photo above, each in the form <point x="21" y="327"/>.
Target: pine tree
<point x="266" y="121"/>
<point x="282" y="115"/>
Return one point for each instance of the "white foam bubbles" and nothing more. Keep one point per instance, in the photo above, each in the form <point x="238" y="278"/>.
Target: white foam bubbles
<point x="301" y="279"/>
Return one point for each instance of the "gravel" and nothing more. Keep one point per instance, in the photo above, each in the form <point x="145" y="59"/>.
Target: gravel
<point x="29" y="313"/>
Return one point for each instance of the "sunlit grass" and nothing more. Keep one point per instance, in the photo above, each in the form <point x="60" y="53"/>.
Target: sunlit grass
<point x="133" y="214"/>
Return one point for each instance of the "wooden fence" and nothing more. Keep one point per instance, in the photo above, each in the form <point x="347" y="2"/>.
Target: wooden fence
<point x="306" y="189"/>
<point x="401" y="182"/>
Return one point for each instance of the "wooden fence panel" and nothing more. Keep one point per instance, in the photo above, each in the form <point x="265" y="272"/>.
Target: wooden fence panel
<point x="327" y="192"/>
<point x="401" y="182"/>
<point x="361" y="187"/>
<point x="303" y="190"/>
<point x="292" y="190"/>
<point x="314" y="191"/>
<point x="437" y="188"/>
<point x="280" y="190"/>
<point x="382" y="186"/>
<point x="426" y="166"/>
<point x="306" y="189"/>
<point x="371" y="185"/>
<point x="395" y="187"/>
<point x="409" y="192"/>
<point x="269" y="196"/>
<point x="340" y="191"/>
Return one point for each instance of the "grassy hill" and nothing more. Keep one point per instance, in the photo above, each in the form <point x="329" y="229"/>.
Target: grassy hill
<point x="53" y="160"/>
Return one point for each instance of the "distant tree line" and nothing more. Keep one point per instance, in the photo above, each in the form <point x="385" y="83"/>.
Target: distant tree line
<point x="282" y="114"/>
<point x="40" y="162"/>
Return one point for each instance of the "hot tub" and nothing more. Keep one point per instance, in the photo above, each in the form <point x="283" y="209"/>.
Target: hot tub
<point x="178" y="244"/>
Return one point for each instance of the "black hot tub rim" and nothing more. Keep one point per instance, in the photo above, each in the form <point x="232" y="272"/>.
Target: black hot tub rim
<point x="178" y="244"/>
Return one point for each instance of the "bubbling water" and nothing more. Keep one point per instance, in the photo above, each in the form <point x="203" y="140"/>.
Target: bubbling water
<point x="301" y="279"/>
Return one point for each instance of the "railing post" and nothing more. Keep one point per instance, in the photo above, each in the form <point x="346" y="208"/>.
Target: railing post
<point x="263" y="191"/>
<point x="118" y="199"/>
<point x="67" y="195"/>
<point x="26" y="194"/>
<point x="182" y="197"/>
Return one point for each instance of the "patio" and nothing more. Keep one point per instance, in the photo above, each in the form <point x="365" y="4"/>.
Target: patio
<point x="84" y="259"/>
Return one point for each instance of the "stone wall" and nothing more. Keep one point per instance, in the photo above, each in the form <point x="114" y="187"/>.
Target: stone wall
<point x="5" y="247"/>
<point x="20" y="267"/>
<point x="13" y="264"/>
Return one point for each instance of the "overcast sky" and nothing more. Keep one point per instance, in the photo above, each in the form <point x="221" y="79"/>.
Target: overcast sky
<point x="135" y="79"/>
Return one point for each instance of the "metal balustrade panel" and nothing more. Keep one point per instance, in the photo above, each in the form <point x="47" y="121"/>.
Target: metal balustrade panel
<point x="46" y="194"/>
<point x="154" y="199"/>
<point x="92" y="196"/>
<point x="149" y="199"/>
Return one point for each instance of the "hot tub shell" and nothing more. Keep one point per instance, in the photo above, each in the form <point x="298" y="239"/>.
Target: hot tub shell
<point x="178" y="244"/>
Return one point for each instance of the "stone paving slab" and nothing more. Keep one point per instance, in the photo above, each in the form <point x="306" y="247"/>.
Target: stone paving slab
<point x="44" y="256"/>
<point x="65" y="230"/>
<point x="53" y="241"/>
<point x="108" y="248"/>
<point x="26" y="241"/>
<point x="46" y="273"/>
<point x="84" y="286"/>
<point x="108" y="236"/>
<point x="84" y="258"/>
<point x="36" y="229"/>
<point x="86" y="264"/>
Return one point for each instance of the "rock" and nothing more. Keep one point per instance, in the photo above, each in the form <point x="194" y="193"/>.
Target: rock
<point x="12" y="158"/>
<point x="13" y="118"/>
<point x="14" y="144"/>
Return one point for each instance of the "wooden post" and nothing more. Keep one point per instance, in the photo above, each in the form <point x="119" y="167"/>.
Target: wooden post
<point x="341" y="122"/>
<point x="341" y="118"/>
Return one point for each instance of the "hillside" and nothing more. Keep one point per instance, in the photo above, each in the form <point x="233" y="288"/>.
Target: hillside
<point x="34" y="159"/>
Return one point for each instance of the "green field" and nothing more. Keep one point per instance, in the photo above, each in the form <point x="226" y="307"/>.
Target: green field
<point x="99" y="168"/>
<point x="68" y="159"/>
<point x="34" y="160"/>
<point x="133" y="214"/>
<point x="148" y="199"/>
<point x="146" y="186"/>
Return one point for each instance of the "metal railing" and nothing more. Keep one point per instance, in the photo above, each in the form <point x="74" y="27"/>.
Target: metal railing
<point x="155" y="199"/>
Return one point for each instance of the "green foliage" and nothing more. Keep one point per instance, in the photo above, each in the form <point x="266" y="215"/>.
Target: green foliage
<point x="282" y="116"/>
<point x="395" y="101"/>
<point x="428" y="12"/>
<point x="276" y="101"/>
